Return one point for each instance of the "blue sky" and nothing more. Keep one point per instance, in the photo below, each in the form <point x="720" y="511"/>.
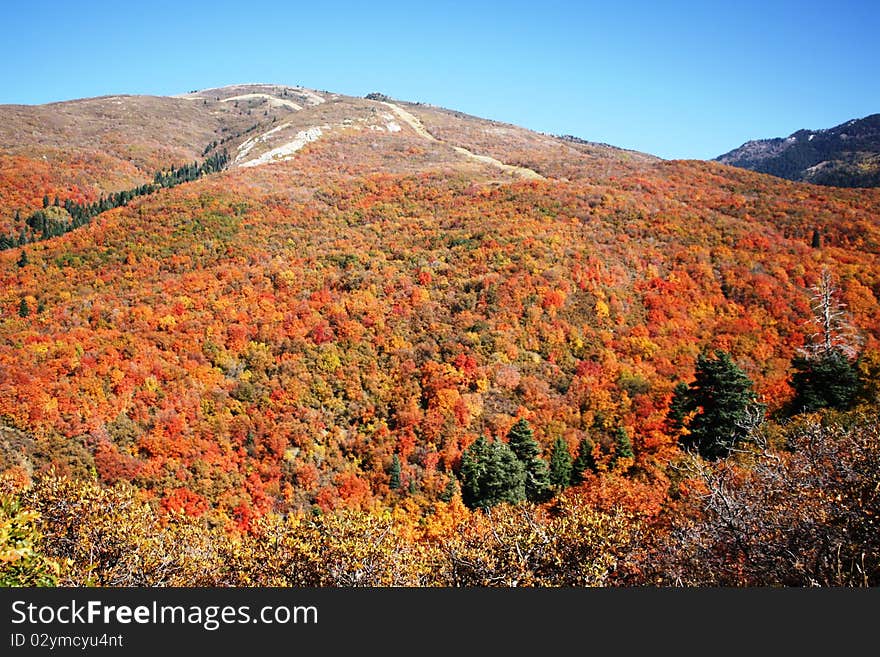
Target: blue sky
<point x="677" y="79"/>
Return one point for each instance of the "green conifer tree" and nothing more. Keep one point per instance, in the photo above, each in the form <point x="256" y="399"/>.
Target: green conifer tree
<point x="560" y="464"/>
<point x="622" y="446"/>
<point x="505" y="479"/>
<point x="522" y="443"/>
<point x="472" y="473"/>
<point x="826" y="380"/>
<point x="680" y="406"/>
<point x="584" y="462"/>
<point x="723" y="404"/>
<point x="491" y="474"/>
<point x="394" y="473"/>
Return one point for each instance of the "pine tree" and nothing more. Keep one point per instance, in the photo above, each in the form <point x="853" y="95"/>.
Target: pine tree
<point x="522" y="443"/>
<point x="826" y="380"/>
<point x="394" y="474"/>
<point x="505" y="479"/>
<point x="680" y="406"/>
<point x="584" y="462"/>
<point x="474" y="461"/>
<point x="23" y="308"/>
<point x="491" y="474"/>
<point x="724" y="403"/>
<point x="23" y="259"/>
<point x="560" y="464"/>
<point x="623" y="448"/>
<point x="45" y="200"/>
<point x="825" y="375"/>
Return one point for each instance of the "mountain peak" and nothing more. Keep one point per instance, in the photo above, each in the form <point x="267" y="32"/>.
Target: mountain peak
<point x="262" y="123"/>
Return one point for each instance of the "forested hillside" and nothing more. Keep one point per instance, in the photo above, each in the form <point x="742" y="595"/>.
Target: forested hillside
<point x="431" y="349"/>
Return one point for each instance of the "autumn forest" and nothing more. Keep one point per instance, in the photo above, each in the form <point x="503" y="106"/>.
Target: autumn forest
<point x="293" y="338"/>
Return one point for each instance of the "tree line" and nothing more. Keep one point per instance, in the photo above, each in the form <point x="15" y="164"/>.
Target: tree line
<point x="57" y="218"/>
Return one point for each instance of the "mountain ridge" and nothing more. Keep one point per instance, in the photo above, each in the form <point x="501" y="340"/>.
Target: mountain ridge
<point x="116" y="142"/>
<point x="847" y="155"/>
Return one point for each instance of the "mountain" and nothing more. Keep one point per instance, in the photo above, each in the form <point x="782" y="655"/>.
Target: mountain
<point x="83" y="149"/>
<point x="847" y="155"/>
<point x="268" y="304"/>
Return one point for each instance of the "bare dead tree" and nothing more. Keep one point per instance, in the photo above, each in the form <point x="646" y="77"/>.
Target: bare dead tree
<point x="831" y="327"/>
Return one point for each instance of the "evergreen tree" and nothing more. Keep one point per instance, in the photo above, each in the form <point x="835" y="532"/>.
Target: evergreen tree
<point x="623" y="448"/>
<point x="522" y="443"/>
<point x="824" y="372"/>
<point x="521" y="440"/>
<point x="23" y="259"/>
<point x="45" y="200"/>
<point x="23" y="308"/>
<point x="724" y="403"/>
<point x="826" y="380"/>
<point x="491" y="474"/>
<point x="505" y="479"/>
<point x="680" y="406"/>
<point x="394" y="474"/>
<point x="583" y="462"/>
<point x="474" y="461"/>
<point x="624" y="445"/>
<point x="560" y="464"/>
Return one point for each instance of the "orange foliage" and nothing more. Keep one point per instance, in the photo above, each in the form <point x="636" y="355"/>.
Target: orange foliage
<point x="237" y="351"/>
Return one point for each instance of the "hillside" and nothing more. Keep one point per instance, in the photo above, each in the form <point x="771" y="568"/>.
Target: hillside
<point x="847" y="155"/>
<point x="328" y="324"/>
<point x="84" y="149"/>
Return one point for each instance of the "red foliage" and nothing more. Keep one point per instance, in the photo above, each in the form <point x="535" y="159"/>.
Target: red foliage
<point x="183" y="500"/>
<point x="275" y="351"/>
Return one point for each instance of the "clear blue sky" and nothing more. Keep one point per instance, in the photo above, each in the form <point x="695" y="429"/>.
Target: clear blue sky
<point x="677" y="79"/>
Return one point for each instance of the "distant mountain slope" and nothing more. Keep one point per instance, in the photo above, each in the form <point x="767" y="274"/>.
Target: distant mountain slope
<point x="847" y="155"/>
<point x="87" y="148"/>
